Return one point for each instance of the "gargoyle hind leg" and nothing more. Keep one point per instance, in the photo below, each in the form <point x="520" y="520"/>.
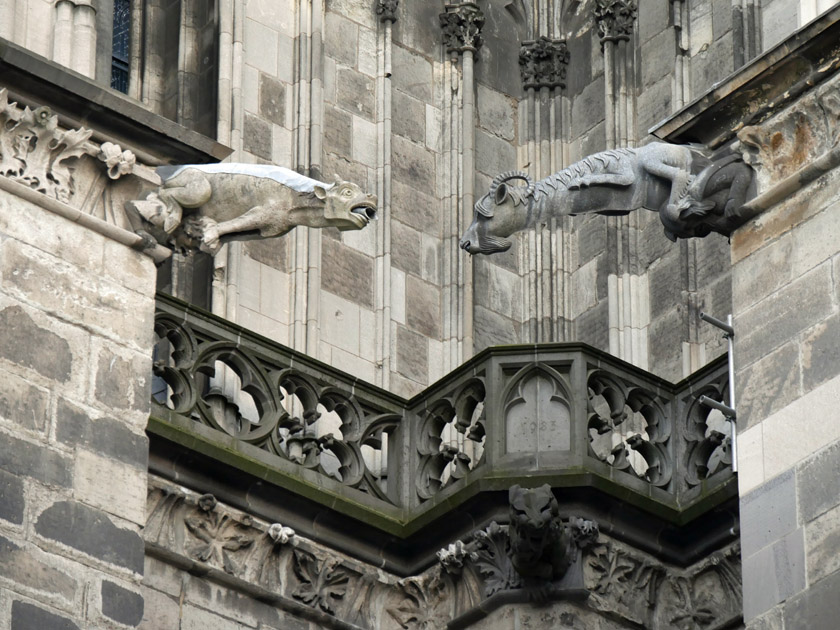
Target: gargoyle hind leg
<point x="251" y="221"/>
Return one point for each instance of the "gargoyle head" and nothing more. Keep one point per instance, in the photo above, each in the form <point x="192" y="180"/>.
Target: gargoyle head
<point x="346" y="205"/>
<point x="498" y="214"/>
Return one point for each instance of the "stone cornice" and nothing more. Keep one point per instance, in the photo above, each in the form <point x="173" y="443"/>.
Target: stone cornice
<point x="761" y="88"/>
<point x="112" y="117"/>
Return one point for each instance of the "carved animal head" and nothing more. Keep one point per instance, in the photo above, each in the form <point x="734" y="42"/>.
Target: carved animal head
<point x="346" y="205"/>
<point x="501" y="212"/>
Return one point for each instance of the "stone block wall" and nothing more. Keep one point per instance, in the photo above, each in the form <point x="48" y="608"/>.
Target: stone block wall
<point x="786" y="300"/>
<point x="76" y="310"/>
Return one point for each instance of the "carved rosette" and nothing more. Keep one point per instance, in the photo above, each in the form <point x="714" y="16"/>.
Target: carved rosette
<point x="543" y="63"/>
<point x="461" y="25"/>
<point x="615" y="19"/>
<point x="387" y="10"/>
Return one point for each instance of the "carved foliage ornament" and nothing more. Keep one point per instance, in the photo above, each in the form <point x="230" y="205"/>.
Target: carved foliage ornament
<point x="615" y="18"/>
<point x="462" y="24"/>
<point x="35" y="152"/>
<point x="543" y="62"/>
<point x="387" y="10"/>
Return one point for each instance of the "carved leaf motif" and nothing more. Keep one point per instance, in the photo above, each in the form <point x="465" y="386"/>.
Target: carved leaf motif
<point x="322" y="584"/>
<point x="493" y="560"/>
<point x="220" y="536"/>
<point x="425" y="605"/>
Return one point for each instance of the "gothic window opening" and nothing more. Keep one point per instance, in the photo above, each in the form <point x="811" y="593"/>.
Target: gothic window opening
<point x="120" y="46"/>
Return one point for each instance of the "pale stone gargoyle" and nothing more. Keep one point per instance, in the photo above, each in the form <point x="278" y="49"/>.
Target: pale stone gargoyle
<point x="203" y="206"/>
<point x="694" y="193"/>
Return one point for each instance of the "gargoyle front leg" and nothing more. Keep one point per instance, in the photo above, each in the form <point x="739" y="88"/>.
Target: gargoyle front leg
<point x="255" y="219"/>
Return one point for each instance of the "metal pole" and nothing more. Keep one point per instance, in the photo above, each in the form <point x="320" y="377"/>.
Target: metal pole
<point x="729" y="412"/>
<point x="731" y="339"/>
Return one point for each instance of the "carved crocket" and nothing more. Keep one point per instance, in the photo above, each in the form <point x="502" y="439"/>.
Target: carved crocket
<point x="694" y="193"/>
<point x="203" y="206"/>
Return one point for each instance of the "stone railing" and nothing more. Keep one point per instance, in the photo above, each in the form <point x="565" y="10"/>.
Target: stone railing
<point x="565" y="414"/>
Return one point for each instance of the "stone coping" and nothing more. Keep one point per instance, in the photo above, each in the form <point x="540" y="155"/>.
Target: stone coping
<point x="758" y="89"/>
<point x="81" y="102"/>
<point x="158" y="253"/>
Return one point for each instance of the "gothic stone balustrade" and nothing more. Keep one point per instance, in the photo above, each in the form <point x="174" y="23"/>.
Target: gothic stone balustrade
<point x="564" y="414"/>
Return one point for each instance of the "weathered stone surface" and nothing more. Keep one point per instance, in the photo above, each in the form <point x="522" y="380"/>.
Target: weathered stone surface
<point x="347" y="273"/>
<point x="272" y="100"/>
<point x="498" y="289"/>
<point x="665" y="278"/>
<point x="23" y="404"/>
<point x="160" y="610"/>
<point x="492" y="154"/>
<point x="26" y="568"/>
<point x="110" y="485"/>
<point x="821" y="353"/>
<point x="343" y="39"/>
<point x="120" y="604"/>
<point x="413" y="164"/>
<point x="768" y="513"/>
<point x="119" y="384"/>
<point x="655" y="65"/>
<point x="772" y="322"/>
<point x="412" y="74"/>
<point x="496" y="113"/>
<point x="405" y="248"/>
<point x="588" y="107"/>
<point x="356" y="93"/>
<point x="822" y="542"/>
<point x="817" y="607"/>
<point x="91" y="532"/>
<point x="34" y="460"/>
<point x="415" y="208"/>
<point x="409" y="117"/>
<point x="769" y="384"/>
<point x="591" y="234"/>
<point x="271" y="252"/>
<point x="817" y="483"/>
<point x="338" y="131"/>
<point x="654" y="17"/>
<point x="21" y="334"/>
<point x="12" y="501"/>
<point x="773" y="574"/>
<point x="27" y="616"/>
<point x="493" y="329"/>
<point x="256" y="137"/>
<point x="422" y="308"/>
<point x="412" y="355"/>
<point x="592" y="327"/>
<point x="713" y="64"/>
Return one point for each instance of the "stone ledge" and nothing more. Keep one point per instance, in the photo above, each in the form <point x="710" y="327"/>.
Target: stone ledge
<point x="80" y="102"/>
<point x="759" y="89"/>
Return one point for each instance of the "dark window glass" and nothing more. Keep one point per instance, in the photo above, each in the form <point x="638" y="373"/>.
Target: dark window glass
<point x="119" y="54"/>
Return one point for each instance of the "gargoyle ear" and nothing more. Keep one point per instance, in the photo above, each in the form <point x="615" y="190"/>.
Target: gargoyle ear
<point x="501" y="193"/>
<point x="320" y="192"/>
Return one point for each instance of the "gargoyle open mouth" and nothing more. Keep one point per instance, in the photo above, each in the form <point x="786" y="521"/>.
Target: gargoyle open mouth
<point x="365" y="211"/>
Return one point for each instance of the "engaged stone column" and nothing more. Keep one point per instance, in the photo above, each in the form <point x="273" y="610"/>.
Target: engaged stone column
<point x="461" y="25"/>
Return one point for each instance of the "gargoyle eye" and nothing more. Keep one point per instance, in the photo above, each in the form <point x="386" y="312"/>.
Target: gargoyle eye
<point x="347" y="192"/>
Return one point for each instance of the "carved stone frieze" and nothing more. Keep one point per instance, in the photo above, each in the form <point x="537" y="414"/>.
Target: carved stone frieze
<point x="461" y="25"/>
<point x="615" y="18"/>
<point x="543" y="63"/>
<point x="387" y="10"/>
<point x="36" y="153"/>
<point x="117" y="161"/>
<point x="624" y="583"/>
